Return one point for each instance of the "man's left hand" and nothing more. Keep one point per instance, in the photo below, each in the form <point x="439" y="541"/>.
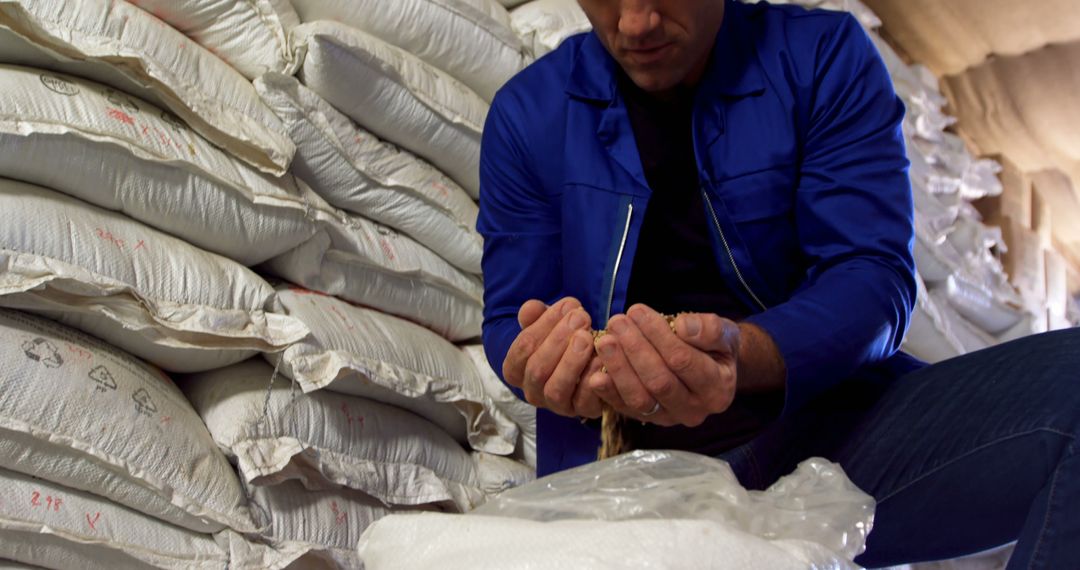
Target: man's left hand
<point x="690" y="373"/>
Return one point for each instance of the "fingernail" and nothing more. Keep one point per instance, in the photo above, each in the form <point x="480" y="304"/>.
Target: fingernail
<point x="580" y="344"/>
<point x="638" y="316"/>
<point x="617" y="327"/>
<point x="607" y="349"/>
<point x="693" y="325"/>
<point x="567" y="306"/>
<point x="578" y="320"/>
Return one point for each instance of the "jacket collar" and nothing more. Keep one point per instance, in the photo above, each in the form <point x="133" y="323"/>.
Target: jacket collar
<point x="734" y="69"/>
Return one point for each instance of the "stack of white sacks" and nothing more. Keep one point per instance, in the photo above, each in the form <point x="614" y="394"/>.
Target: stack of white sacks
<point x="239" y="277"/>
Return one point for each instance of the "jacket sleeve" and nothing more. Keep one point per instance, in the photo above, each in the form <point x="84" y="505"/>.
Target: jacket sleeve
<point x="521" y="229"/>
<point x="854" y="220"/>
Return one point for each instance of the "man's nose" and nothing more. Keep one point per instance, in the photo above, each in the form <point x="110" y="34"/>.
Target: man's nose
<point x="638" y="18"/>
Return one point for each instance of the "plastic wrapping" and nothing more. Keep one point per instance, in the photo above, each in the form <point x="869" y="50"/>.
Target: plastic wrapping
<point x="646" y="509"/>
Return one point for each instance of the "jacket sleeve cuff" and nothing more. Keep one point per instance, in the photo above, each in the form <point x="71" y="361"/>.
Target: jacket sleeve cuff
<point x="818" y="353"/>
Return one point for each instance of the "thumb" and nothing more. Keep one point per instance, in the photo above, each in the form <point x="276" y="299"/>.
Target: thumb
<point x="709" y="333"/>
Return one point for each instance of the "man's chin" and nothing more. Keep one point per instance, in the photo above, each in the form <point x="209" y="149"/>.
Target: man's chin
<point x="653" y="81"/>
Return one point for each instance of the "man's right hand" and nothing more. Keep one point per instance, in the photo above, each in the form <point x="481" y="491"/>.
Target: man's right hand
<point x="552" y="355"/>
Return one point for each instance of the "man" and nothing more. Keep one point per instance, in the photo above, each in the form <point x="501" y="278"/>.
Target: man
<point x="743" y="165"/>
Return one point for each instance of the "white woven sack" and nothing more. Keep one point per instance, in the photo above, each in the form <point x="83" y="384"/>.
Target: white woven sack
<point x="544" y="24"/>
<point x="115" y="43"/>
<point x="355" y="171"/>
<point x="251" y="35"/>
<point x="469" y="39"/>
<point x="363" y="262"/>
<point x="971" y="337"/>
<point x="52" y="526"/>
<point x="121" y="153"/>
<point x="978" y="303"/>
<point x="327" y="523"/>
<point x="153" y="295"/>
<point x="326" y="440"/>
<point x="930" y="336"/>
<point x="85" y="415"/>
<point x="365" y="353"/>
<point x="497" y="474"/>
<point x="46" y="524"/>
<point x="512" y="3"/>
<point x="396" y="96"/>
<point x="520" y="412"/>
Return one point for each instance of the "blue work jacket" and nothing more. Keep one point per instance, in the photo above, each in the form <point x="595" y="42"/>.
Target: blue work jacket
<point x="801" y="162"/>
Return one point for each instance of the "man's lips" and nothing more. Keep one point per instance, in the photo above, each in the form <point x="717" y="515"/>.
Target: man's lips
<point x="649" y="54"/>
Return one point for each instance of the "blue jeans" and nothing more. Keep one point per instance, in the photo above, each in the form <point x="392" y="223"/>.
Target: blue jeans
<point x="962" y="456"/>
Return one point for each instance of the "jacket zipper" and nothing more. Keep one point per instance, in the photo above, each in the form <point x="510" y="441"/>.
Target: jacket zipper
<point x="731" y="256"/>
<point x="618" y="260"/>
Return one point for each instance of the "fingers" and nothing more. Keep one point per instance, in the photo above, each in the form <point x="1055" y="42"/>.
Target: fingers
<point x="532" y="336"/>
<point x="530" y="312"/>
<point x="601" y="384"/>
<point x="652" y="369"/>
<point x="541" y="365"/>
<point x="560" y="388"/>
<point x="613" y="354"/>
<point x="587" y="403"/>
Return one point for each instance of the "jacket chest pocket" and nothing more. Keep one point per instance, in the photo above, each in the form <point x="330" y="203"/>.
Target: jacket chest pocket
<point x="759" y="195"/>
<point x="761" y="209"/>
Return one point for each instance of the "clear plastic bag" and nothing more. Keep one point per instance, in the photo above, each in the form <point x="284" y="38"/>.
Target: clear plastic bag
<point x="647" y="509"/>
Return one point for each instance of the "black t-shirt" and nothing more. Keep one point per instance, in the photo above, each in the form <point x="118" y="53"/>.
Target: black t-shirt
<point x="674" y="269"/>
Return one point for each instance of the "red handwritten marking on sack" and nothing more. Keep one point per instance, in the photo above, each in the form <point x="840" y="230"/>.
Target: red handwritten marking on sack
<point x="339" y="516"/>
<point x="441" y="188"/>
<point x="110" y="237"/>
<point x="80" y="352"/>
<point x="93" y="521"/>
<point x="388" y="251"/>
<point x="343" y="317"/>
<point x="165" y="419"/>
<point x="121" y="116"/>
<point x="351" y="418"/>
<point x="149" y="132"/>
<point x="51" y="503"/>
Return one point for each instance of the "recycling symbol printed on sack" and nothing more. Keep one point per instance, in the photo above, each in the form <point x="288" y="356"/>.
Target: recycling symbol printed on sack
<point x="104" y="379"/>
<point x="44" y="352"/>
<point x="143" y="403"/>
